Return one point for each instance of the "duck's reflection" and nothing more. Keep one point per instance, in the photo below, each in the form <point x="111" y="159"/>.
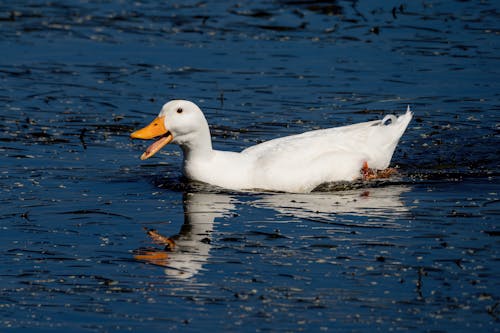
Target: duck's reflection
<point x="184" y="254"/>
<point x="383" y="202"/>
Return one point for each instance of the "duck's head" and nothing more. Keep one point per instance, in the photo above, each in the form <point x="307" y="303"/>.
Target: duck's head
<point x="180" y="122"/>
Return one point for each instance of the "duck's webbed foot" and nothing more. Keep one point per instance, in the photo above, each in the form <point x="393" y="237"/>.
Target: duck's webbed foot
<point x="371" y="174"/>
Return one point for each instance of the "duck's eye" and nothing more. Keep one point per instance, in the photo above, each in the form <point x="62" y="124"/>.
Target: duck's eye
<point x="179" y="110"/>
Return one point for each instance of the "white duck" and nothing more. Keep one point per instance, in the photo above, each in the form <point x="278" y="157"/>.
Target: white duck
<point x="297" y="163"/>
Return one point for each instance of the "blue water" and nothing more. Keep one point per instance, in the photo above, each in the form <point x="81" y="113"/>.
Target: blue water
<point x="417" y="252"/>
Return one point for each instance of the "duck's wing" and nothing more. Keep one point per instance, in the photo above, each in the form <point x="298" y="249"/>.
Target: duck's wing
<point x="375" y="138"/>
<point x="323" y="137"/>
<point x="299" y="163"/>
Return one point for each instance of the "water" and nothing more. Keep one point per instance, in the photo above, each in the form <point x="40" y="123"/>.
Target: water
<point x="418" y="252"/>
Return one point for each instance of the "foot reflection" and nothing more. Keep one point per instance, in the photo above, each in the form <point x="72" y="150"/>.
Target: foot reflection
<point x="184" y="254"/>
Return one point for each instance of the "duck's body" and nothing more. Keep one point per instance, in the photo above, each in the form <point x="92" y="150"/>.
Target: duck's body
<point x="297" y="163"/>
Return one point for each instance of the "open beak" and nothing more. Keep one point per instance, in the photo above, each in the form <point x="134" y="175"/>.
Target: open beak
<point x="153" y="130"/>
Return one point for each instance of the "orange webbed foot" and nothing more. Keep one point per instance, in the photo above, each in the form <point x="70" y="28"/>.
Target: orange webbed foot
<point x="370" y="174"/>
<point x="367" y="173"/>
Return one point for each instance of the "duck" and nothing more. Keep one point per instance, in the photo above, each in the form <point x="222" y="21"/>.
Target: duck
<point x="297" y="163"/>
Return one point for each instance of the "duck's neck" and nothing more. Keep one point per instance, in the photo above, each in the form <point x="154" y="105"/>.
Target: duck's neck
<point x="198" y="145"/>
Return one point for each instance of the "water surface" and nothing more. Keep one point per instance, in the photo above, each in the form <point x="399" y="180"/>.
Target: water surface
<point x="418" y="252"/>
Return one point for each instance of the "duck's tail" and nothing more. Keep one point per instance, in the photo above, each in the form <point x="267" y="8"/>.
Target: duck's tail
<point x="398" y="124"/>
<point x="388" y="137"/>
<point x="405" y="119"/>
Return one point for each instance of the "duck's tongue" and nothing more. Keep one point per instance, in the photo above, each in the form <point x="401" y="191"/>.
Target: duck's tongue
<point x="157" y="145"/>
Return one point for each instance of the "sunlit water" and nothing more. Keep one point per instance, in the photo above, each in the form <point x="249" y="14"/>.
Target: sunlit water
<point x="418" y="252"/>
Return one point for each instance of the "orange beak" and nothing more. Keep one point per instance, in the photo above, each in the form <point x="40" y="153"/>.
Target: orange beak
<point x="153" y="130"/>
